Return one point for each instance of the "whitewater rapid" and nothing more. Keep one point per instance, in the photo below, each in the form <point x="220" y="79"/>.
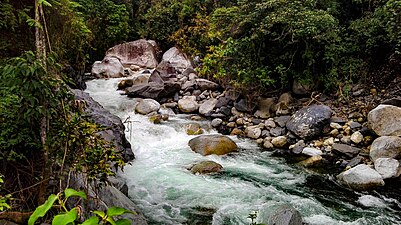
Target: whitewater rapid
<point x="161" y="185"/>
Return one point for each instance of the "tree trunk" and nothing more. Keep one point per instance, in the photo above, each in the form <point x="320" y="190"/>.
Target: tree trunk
<point x="40" y="44"/>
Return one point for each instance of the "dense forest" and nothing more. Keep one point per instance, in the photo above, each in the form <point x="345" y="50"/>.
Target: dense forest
<point x="252" y="45"/>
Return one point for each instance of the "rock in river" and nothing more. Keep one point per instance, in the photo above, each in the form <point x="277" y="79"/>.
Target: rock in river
<point x="212" y="144"/>
<point x="361" y="177"/>
<point x="308" y="122"/>
<point x="206" y="167"/>
<point x="146" y="106"/>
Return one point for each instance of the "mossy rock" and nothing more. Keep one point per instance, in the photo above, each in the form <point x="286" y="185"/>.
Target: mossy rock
<point x="193" y="129"/>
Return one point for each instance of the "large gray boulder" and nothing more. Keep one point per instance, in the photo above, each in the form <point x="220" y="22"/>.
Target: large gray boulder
<point x="309" y="122"/>
<point x="387" y="167"/>
<point x="386" y="147"/>
<point x="146" y="106"/>
<point x="361" y="177"/>
<point x="141" y="53"/>
<point x="385" y="120"/>
<point x="282" y="214"/>
<point x="188" y="104"/>
<point x="114" y="132"/>
<point x="212" y="144"/>
<point x="208" y="106"/>
<point x="109" y="67"/>
<point x="179" y="60"/>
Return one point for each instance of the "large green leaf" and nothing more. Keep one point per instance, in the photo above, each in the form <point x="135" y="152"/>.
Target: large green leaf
<point x="71" y="192"/>
<point x="91" y="221"/>
<point x="42" y="210"/>
<point x="100" y="213"/>
<point x="67" y="218"/>
<point x="117" y="211"/>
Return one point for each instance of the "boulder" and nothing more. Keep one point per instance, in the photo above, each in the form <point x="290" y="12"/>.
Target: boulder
<point x="115" y="130"/>
<point x="312" y="151"/>
<point x="385" y="147"/>
<point x="282" y="214"/>
<point x="309" y="122"/>
<point x="347" y="150"/>
<point x="206" y="167"/>
<point x="141" y="53"/>
<point x="146" y="106"/>
<point x="387" y="168"/>
<point x="393" y="102"/>
<point x="361" y="177"/>
<point x="188" y="104"/>
<point x="109" y="67"/>
<point x="385" y="120"/>
<point x="204" y="84"/>
<point x="193" y="129"/>
<point x="265" y="108"/>
<point x="253" y="132"/>
<point x="179" y="60"/>
<point x="212" y="144"/>
<point x="208" y="106"/>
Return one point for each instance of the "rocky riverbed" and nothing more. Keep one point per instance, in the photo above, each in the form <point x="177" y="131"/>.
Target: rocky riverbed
<point x="353" y="134"/>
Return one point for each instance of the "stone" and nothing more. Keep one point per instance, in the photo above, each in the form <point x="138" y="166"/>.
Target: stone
<point x="311" y="161"/>
<point x="206" y="167"/>
<point x="146" y="106"/>
<point x="385" y="147"/>
<point x="336" y="126"/>
<point x="347" y="150"/>
<point x="193" y="129"/>
<point x="243" y="105"/>
<point x="270" y="123"/>
<point x="393" y="102"/>
<point x="225" y="110"/>
<point x="385" y="120"/>
<point x="188" y="85"/>
<point x="354" y="161"/>
<point x="141" y="53"/>
<point x="301" y="89"/>
<point x="279" y="142"/>
<point x="156" y="119"/>
<point x="361" y="177"/>
<point x="309" y="122"/>
<point x="311" y="151"/>
<point x="282" y="120"/>
<point x="237" y="132"/>
<point x="140" y="79"/>
<point x="231" y="124"/>
<point x="176" y="58"/>
<point x="354" y="125"/>
<point x="265" y="107"/>
<point x="328" y="141"/>
<point x="124" y="84"/>
<point x="109" y="67"/>
<point x="357" y="137"/>
<point x="208" y="106"/>
<point x="282" y="214"/>
<point x="115" y="130"/>
<point x="346" y="140"/>
<point x="212" y="144"/>
<point x="267" y="144"/>
<point x="387" y="167"/>
<point x="204" y="84"/>
<point x="216" y="122"/>
<point x="188" y="104"/>
<point x="196" y="118"/>
<point x="277" y="131"/>
<point x="334" y="133"/>
<point x="253" y="132"/>
<point x="297" y="147"/>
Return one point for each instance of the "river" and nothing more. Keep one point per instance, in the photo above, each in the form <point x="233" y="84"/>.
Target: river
<point x="252" y="180"/>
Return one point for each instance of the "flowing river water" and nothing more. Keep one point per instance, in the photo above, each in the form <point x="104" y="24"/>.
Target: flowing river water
<point x="252" y="180"/>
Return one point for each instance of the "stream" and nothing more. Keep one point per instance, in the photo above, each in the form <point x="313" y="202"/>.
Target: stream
<point x="252" y="180"/>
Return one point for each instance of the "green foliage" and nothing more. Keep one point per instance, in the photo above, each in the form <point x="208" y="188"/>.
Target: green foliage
<point x="4" y="199"/>
<point x="71" y="216"/>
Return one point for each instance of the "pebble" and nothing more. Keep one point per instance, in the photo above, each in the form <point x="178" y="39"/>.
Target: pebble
<point x="231" y="124"/>
<point x="279" y="141"/>
<point x="336" y="126"/>
<point x="329" y="141"/>
<point x="216" y="122"/>
<point x="357" y="137"/>
<point x="311" y="151"/>
<point x="270" y="123"/>
<point x="334" y="132"/>
<point x="268" y="145"/>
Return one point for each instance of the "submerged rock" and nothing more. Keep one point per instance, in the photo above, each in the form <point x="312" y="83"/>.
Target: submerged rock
<point x="212" y="144"/>
<point x="308" y="122"/>
<point x="206" y="167"/>
<point x="361" y="177"/>
<point x="385" y="120"/>
<point x="193" y="129"/>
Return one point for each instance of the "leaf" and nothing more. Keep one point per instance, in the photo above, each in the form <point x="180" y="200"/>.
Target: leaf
<point x="117" y="211"/>
<point x="66" y="218"/>
<point x="71" y="192"/>
<point x="44" y="2"/>
<point x="123" y="222"/>
<point x="42" y="210"/>
<point x="100" y="213"/>
<point x="91" y="221"/>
